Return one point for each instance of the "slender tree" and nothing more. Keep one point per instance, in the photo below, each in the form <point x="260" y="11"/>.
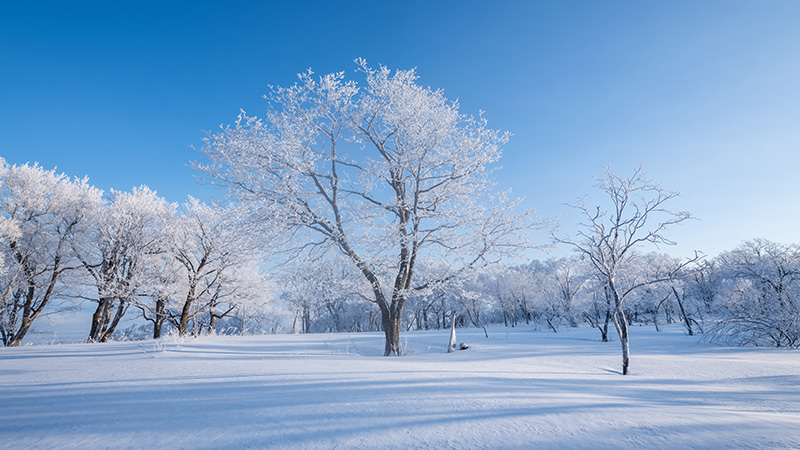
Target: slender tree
<point x="609" y="237"/>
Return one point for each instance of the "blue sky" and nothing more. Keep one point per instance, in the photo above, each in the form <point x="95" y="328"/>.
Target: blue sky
<point x="706" y="95"/>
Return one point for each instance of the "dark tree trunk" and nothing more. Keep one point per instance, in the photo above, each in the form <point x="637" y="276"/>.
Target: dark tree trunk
<point x="27" y="317"/>
<point x="121" y="308"/>
<point x="604" y="328"/>
<point x="160" y="315"/>
<point x="211" y="322"/>
<point x="99" y="319"/>
<point x="183" y="325"/>
<point x="392" y="324"/>
<point x="686" y="320"/>
<point x="23" y="330"/>
<point x="30" y="311"/>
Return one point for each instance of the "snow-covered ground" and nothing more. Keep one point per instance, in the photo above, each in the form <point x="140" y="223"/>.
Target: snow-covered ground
<point x="518" y="389"/>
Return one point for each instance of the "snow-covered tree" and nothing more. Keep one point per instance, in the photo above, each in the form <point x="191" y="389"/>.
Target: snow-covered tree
<point x="701" y="286"/>
<point x="126" y="234"/>
<point x="383" y="172"/>
<point x="568" y="276"/>
<point x="595" y="305"/>
<point x="247" y="297"/>
<point x="610" y="237"/>
<point x="554" y="286"/>
<point x="163" y="286"/>
<point x="327" y="294"/>
<point x="213" y="251"/>
<point x="762" y="296"/>
<point x="42" y="216"/>
<point x="514" y="288"/>
<point x="668" y="299"/>
<point x="434" y="307"/>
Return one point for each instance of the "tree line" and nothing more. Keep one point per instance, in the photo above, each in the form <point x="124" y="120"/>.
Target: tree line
<point x="65" y="242"/>
<point x="745" y="296"/>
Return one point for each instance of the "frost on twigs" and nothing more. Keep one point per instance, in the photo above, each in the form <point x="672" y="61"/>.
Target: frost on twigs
<point x="382" y="171"/>
<point x="633" y="214"/>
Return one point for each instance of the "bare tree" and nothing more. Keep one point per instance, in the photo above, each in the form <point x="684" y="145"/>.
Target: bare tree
<point x="383" y="173"/>
<point x="609" y="237"/>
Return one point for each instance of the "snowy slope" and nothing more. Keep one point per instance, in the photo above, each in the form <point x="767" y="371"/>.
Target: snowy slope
<point x="518" y="389"/>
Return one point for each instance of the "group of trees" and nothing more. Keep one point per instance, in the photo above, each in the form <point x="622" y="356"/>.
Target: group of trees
<point x="380" y="194"/>
<point x="64" y="242"/>
<point x="747" y="296"/>
<point x="759" y="283"/>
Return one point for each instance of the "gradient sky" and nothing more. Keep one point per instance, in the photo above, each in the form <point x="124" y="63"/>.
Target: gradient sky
<point x="705" y="95"/>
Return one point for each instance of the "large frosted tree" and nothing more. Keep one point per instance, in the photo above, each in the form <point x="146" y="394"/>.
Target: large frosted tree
<point x="43" y="215"/>
<point x="126" y="234"/>
<point x="387" y="173"/>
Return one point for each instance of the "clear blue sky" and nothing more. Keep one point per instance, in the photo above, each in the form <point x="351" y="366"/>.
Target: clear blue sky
<point x="704" y="94"/>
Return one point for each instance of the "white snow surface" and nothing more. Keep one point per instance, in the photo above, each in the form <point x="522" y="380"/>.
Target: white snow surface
<point x="518" y="389"/>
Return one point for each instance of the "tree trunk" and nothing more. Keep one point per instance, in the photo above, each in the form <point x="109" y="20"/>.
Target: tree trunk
<point x="550" y="324"/>
<point x="183" y="325"/>
<point x="452" y="345"/>
<point x="29" y="312"/>
<point x="98" y="319"/>
<point x="294" y="322"/>
<point x="27" y="317"/>
<point x="621" y="323"/>
<point x="392" y="323"/>
<point x="604" y="328"/>
<point x="158" y="320"/>
<point x="306" y="319"/>
<point x="121" y="308"/>
<point x="212" y="320"/>
<point x="23" y="330"/>
<point x="686" y="320"/>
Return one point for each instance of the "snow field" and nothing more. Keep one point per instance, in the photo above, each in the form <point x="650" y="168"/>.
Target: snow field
<point x="518" y="389"/>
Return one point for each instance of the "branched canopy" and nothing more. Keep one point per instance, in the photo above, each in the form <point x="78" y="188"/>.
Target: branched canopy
<point x="384" y="172"/>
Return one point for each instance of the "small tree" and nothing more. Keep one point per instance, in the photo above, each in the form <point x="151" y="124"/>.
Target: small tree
<point x="569" y="275"/>
<point x="323" y="294"/>
<point x="609" y="237"/>
<point x="596" y="308"/>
